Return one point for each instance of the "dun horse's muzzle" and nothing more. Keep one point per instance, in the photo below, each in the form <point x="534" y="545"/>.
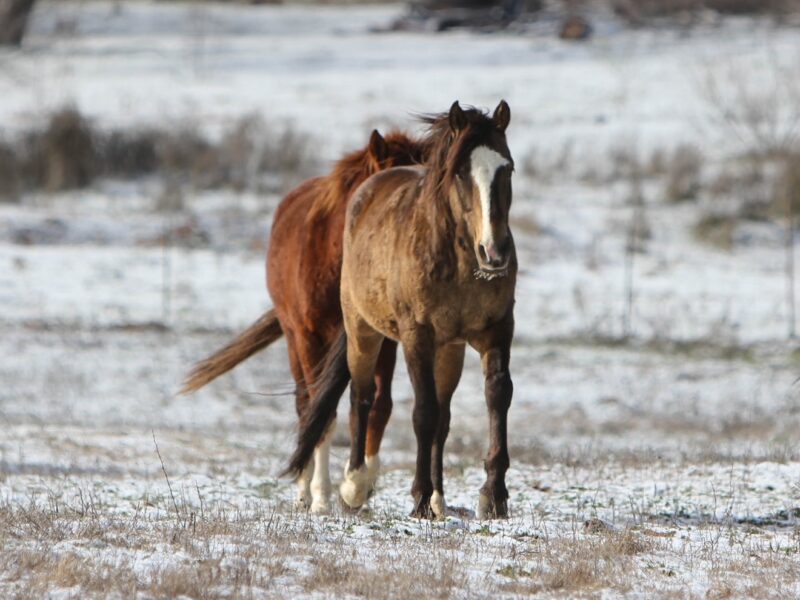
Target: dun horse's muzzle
<point x="493" y="257"/>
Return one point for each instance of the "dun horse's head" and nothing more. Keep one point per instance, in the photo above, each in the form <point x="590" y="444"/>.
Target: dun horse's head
<point x="482" y="184"/>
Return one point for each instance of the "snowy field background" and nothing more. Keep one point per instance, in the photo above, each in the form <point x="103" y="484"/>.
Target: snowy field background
<point x="654" y="440"/>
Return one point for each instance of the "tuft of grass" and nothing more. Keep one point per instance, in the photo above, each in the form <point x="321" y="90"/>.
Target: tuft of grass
<point x="683" y="174"/>
<point x="579" y="565"/>
<point x="716" y="230"/>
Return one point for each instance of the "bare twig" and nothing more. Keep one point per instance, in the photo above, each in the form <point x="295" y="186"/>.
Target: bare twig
<point x="169" y="485"/>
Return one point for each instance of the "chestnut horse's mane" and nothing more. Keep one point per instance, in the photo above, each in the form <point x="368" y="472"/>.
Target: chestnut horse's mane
<point x="351" y="170"/>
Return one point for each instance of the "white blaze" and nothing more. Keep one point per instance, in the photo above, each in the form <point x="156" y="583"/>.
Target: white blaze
<point x="484" y="164"/>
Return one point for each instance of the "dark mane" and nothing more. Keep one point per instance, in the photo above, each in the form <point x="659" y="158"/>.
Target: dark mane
<point x="351" y="170"/>
<point x="446" y="154"/>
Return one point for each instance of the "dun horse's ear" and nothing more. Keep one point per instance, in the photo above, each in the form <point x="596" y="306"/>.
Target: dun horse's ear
<point x="502" y="115"/>
<point x="377" y="147"/>
<point x="458" y="120"/>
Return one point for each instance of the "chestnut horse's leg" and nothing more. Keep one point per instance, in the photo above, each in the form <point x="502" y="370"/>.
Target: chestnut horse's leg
<point x="303" y="500"/>
<point x="311" y="349"/>
<point x="495" y="350"/>
<point x="419" y="350"/>
<point x="363" y="346"/>
<point x="449" y="364"/>
<point x="381" y="408"/>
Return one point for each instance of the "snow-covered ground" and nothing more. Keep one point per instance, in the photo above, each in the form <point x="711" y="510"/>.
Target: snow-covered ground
<point x="655" y="454"/>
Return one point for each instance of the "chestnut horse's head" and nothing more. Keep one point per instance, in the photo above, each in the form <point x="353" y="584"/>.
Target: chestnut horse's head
<point x="394" y="150"/>
<point x="477" y="179"/>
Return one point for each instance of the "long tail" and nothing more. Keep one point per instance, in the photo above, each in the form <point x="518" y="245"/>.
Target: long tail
<point x="253" y="339"/>
<point x="326" y="392"/>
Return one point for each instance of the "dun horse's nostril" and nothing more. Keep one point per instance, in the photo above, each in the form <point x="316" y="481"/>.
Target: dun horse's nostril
<point x="482" y="252"/>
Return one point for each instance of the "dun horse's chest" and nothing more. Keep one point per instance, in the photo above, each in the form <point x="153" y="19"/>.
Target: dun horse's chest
<point x="467" y="309"/>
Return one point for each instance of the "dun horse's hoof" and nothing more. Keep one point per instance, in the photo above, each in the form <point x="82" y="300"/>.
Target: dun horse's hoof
<point x="423" y="509"/>
<point x="320" y="507"/>
<point x="488" y="508"/>
<point x="355" y="487"/>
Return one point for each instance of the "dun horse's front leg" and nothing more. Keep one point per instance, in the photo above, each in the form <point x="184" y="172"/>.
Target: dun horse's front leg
<point x="418" y="346"/>
<point x="381" y="408"/>
<point x="498" y="388"/>
<point x="449" y="364"/>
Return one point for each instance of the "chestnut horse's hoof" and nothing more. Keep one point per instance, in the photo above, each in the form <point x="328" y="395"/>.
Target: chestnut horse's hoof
<point x="489" y="508"/>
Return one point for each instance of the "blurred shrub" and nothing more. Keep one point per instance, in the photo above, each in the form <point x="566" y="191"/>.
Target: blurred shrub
<point x="716" y="229"/>
<point x="69" y="152"/>
<point x="9" y="171"/>
<point x="786" y="191"/>
<point x="66" y="148"/>
<point x="129" y="153"/>
<point x="683" y="174"/>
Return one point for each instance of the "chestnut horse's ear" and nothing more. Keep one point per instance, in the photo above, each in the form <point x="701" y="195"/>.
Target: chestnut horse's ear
<point x="458" y="120"/>
<point x="377" y="147"/>
<point x="502" y="115"/>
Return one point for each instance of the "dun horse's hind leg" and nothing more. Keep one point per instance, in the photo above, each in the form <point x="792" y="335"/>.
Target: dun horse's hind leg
<point x="495" y="353"/>
<point x="449" y="364"/>
<point x="381" y="408"/>
<point x="418" y="346"/>
<point x="363" y="347"/>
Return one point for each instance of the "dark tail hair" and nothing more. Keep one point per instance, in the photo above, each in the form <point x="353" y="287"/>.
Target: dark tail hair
<point x="253" y="339"/>
<point x="325" y="395"/>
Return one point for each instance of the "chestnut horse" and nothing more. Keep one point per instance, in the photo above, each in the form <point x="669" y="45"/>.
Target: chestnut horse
<point x="304" y="262"/>
<point x="429" y="261"/>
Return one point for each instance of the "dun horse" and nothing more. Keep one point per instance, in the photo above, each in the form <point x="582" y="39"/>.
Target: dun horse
<point x="303" y="269"/>
<point x="429" y="261"/>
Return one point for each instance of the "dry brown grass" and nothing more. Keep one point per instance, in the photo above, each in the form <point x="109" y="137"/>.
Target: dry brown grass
<point x="584" y="564"/>
<point x="406" y="576"/>
<point x="28" y="533"/>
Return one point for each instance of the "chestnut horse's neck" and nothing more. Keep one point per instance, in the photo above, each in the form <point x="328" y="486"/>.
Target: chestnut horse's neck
<point x="352" y="170"/>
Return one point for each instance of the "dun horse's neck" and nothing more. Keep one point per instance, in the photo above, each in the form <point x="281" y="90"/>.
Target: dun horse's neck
<point x="444" y="242"/>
